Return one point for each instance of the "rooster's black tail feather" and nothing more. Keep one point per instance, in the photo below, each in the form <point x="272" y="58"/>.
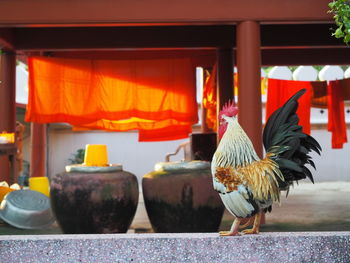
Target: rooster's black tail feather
<point x="284" y="138"/>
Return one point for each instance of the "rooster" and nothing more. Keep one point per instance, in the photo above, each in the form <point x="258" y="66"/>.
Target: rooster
<point x="249" y="185"/>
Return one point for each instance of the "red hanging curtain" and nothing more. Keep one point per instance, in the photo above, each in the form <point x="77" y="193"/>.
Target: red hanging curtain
<point x="336" y="115"/>
<point x="116" y="95"/>
<point x="279" y="91"/>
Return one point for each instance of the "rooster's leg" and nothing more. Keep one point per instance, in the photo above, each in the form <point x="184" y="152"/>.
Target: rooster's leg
<point x="256" y="226"/>
<point x="234" y="229"/>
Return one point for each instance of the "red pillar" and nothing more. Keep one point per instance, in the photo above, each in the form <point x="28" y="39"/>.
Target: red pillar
<point x="7" y="91"/>
<point x="7" y="109"/>
<point x="38" y="150"/>
<point x="249" y="81"/>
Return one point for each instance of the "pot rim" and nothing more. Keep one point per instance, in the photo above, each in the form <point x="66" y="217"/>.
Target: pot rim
<point x="182" y="166"/>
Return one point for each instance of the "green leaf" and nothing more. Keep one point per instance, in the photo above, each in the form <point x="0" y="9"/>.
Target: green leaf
<point x="341" y="11"/>
<point x="347" y="38"/>
<point x="338" y="33"/>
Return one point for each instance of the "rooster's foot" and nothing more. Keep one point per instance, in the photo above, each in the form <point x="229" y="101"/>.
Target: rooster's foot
<point x="234" y="229"/>
<point x="256" y="226"/>
<point x="228" y="233"/>
<point x="250" y="231"/>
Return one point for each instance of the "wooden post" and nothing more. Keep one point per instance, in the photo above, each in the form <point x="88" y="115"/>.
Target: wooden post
<point x="204" y="126"/>
<point x="8" y="110"/>
<point x="249" y="81"/>
<point x="38" y="150"/>
<point x="224" y="77"/>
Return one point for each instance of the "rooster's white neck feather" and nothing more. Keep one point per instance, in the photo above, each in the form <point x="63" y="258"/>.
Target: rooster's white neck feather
<point x="235" y="148"/>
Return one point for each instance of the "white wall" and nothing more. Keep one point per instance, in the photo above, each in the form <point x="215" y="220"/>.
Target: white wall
<point x="333" y="164"/>
<point x="140" y="157"/>
<point x="136" y="157"/>
<point x="21" y="83"/>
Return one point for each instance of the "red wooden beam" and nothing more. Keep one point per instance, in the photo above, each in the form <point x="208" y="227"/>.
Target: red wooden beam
<point x="150" y="12"/>
<point x="299" y="35"/>
<point x="306" y="56"/>
<point x="207" y="57"/>
<point x="6" y="39"/>
<point x="92" y="38"/>
<point x="160" y="37"/>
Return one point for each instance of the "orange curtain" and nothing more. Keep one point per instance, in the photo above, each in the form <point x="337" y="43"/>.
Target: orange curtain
<point x="279" y="91"/>
<point x="209" y="99"/>
<point x="116" y="95"/>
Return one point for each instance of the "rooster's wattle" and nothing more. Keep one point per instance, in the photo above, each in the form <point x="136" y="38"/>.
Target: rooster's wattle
<point x="249" y="185"/>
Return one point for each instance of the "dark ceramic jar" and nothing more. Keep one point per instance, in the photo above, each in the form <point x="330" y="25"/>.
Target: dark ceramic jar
<point x="179" y="197"/>
<point x="94" y="202"/>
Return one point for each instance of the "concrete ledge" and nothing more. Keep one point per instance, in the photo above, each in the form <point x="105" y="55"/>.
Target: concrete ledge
<point x="202" y="247"/>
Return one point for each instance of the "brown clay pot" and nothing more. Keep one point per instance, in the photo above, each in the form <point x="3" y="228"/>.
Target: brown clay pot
<point x="94" y="202"/>
<point x="182" y="199"/>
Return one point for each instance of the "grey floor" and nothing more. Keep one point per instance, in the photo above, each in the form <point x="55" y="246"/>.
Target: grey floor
<point x="309" y="207"/>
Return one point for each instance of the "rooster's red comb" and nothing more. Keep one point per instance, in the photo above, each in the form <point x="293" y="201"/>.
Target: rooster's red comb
<point x="229" y="109"/>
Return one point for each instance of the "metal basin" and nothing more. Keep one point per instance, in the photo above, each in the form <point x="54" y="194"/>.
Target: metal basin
<point x="26" y="209"/>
